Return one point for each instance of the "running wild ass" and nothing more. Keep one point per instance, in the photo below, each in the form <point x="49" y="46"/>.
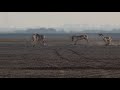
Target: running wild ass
<point x="37" y="39"/>
<point x="107" y="39"/>
<point x="80" y="37"/>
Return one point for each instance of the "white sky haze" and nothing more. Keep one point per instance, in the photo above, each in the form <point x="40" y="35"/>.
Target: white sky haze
<point x="54" y="19"/>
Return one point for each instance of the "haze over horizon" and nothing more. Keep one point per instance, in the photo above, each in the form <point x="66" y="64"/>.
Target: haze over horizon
<point x="57" y="19"/>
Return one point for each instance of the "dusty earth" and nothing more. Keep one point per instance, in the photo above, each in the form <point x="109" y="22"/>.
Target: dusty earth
<point x="59" y="59"/>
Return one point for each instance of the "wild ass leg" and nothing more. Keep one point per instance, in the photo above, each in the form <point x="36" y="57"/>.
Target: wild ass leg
<point x="76" y="42"/>
<point x="44" y="42"/>
<point x="86" y="40"/>
<point x="34" y="44"/>
<point x="109" y="42"/>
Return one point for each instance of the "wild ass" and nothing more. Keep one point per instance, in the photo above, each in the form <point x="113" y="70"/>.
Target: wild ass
<point x="107" y="39"/>
<point x="80" y="37"/>
<point x="37" y="39"/>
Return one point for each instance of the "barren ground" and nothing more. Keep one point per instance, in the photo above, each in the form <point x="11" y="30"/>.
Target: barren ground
<point x="59" y="59"/>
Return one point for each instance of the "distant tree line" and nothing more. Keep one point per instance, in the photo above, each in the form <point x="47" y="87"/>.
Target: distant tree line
<point x="40" y="30"/>
<point x="53" y="30"/>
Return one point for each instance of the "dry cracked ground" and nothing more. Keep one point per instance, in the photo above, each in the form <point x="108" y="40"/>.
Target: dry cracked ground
<point x="18" y="60"/>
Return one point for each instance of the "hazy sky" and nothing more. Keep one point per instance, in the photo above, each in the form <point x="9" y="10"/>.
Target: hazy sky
<point x="53" y="19"/>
